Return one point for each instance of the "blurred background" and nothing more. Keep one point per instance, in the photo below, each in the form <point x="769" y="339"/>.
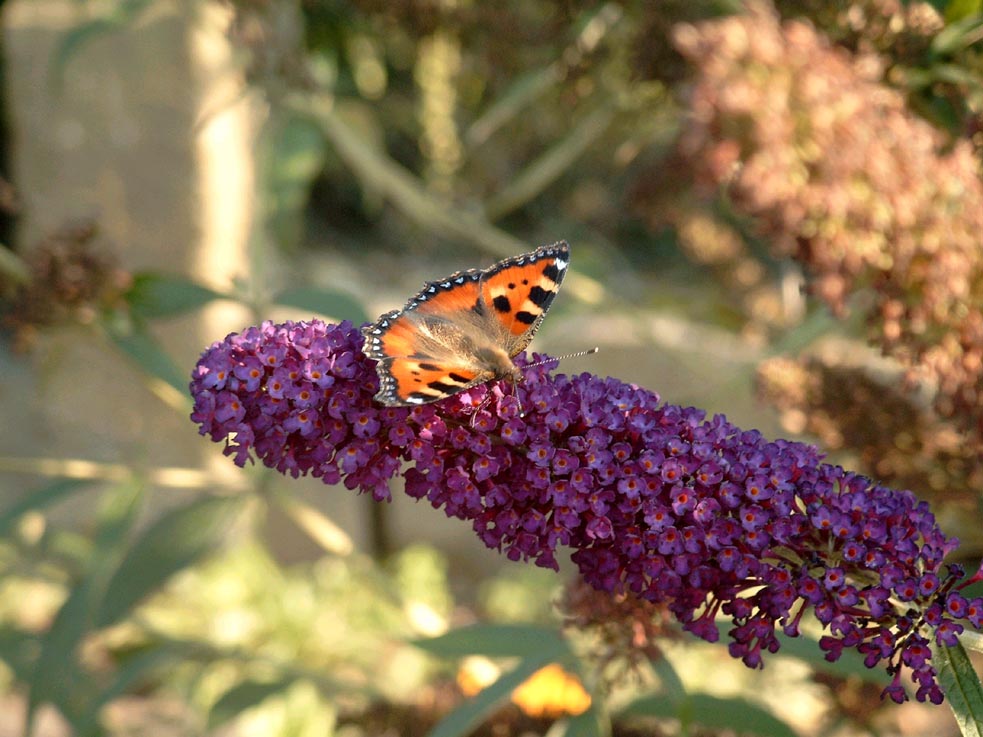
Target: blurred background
<point x="775" y="213"/>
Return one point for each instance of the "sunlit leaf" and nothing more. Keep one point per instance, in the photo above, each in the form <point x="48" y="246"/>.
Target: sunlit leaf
<point x="548" y="167"/>
<point x="19" y="650"/>
<point x="175" y="541"/>
<point x="956" y="35"/>
<point x="122" y="12"/>
<point x="318" y="526"/>
<point x="972" y="641"/>
<point x="161" y="295"/>
<point x="713" y="712"/>
<point x="244" y="696"/>
<point x="849" y="665"/>
<point x="293" y="152"/>
<point x="327" y="302"/>
<point x="588" y="724"/>
<point x="672" y="684"/>
<point x="135" y="671"/>
<point x="141" y="347"/>
<point x="41" y="498"/>
<point x="962" y="688"/>
<point x="959" y="9"/>
<point x="498" y="640"/>
<point x="462" y="720"/>
<point x="58" y="677"/>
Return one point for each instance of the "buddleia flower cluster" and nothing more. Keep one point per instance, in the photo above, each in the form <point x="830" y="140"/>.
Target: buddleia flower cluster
<point x="835" y="170"/>
<point x="654" y="500"/>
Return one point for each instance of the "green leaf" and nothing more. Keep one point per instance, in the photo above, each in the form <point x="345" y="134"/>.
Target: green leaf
<point x="174" y="542"/>
<point x="20" y="651"/>
<point x="161" y="295"/>
<point x="58" y="676"/>
<point x="850" y="663"/>
<point x="498" y="640"/>
<point x="672" y="684"/>
<point x="293" y="153"/>
<point x="588" y="724"/>
<point x="520" y="94"/>
<point x="972" y="641"/>
<point x="147" y="353"/>
<point x="44" y="497"/>
<point x="134" y="672"/>
<point x="244" y="696"/>
<point x="81" y="34"/>
<point x="958" y="9"/>
<point x="462" y="720"/>
<point x="551" y="164"/>
<point x="962" y="688"/>
<point x="324" y="302"/>
<point x="711" y="711"/>
<point x="955" y="74"/>
<point x="955" y="36"/>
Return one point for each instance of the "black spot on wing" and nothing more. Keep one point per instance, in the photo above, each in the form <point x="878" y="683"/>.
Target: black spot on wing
<point x="440" y="386"/>
<point x="526" y="318"/>
<point x="551" y="272"/>
<point x="501" y="303"/>
<point x="429" y="367"/>
<point x="539" y="296"/>
<point x="458" y="378"/>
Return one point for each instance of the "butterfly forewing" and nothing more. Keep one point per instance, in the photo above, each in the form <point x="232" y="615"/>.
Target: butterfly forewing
<point x="519" y="291"/>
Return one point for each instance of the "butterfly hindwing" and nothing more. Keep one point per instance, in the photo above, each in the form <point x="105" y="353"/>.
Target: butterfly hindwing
<point x="463" y="330"/>
<point x="418" y="381"/>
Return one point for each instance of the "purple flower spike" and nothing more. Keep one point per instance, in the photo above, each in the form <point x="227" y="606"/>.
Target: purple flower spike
<point x="653" y="499"/>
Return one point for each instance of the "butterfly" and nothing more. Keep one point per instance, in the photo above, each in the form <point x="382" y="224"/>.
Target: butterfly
<point x="464" y="330"/>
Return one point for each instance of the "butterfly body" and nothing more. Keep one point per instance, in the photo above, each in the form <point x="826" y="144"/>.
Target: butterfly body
<point x="464" y="330"/>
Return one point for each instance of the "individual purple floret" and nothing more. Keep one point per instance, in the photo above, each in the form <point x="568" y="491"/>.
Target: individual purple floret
<point x="654" y="499"/>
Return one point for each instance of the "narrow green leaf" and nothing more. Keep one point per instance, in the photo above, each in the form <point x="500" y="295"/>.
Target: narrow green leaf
<point x="376" y="170"/>
<point x="962" y="688"/>
<point x="956" y="35"/>
<point x="293" y="152"/>
<point x="498" y="640"/>
<point x="324" y="302"/>
<point x="551" y="164"/>
<point x="174" y="542"/>
<point x="162" y="295"/>
<point x="588" y="724"/>
<point x="672" y="684"/>
<point x="462" y="720"/>
<point x="123" y="12"/>
<point x="958" y="9"/>
<point x="136" y="671"/>
<point x="58" y="677"/>
<point x="244" y="696"/>
<point x="148" y="354"/>
<point x="522" y="92"/>
<point x="850" y="663"/>
<point x="713" y="712"/>
<point x="42" y="498"/>
<point x="972" y="641"/>
<point x="20" y="651"/>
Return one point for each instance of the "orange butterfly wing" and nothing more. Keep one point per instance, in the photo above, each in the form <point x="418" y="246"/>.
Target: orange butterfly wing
<point x="440" y="342"/>
<point x="519" y="291"/>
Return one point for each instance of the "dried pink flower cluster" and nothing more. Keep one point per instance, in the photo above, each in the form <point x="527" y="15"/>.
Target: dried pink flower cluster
<point x="839" y="173"/>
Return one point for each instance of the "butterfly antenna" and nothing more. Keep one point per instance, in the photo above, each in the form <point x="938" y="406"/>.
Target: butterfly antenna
<point x="557" y="359"/>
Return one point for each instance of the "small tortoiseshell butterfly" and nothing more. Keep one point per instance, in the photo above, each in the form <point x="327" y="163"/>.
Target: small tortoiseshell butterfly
<point x="464" y="330"/>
